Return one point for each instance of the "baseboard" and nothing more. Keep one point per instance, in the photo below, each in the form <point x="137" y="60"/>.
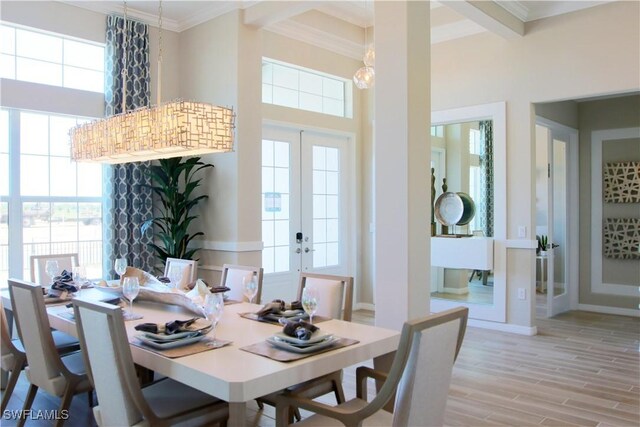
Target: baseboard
<point x="364" y="306"/>
<point x="503" y="327"/>
<point x="609" y="310"/>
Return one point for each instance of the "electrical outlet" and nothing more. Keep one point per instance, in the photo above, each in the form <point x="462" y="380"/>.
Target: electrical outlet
<point x="522" y="293"/>
<point x="522" y="231"/>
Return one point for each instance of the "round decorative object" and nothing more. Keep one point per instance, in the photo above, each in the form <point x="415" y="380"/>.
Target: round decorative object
<point x="449" y="208"/>
<point x="469" y="210"/>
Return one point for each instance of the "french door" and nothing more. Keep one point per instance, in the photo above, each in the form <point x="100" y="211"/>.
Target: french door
<point x="304" y="207"/>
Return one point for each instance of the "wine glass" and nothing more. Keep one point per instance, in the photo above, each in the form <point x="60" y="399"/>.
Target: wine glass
<point x="79" y="275"/>
<point x="120" y="266"/>
<point x="213" y="308"/>
<point x="249" y="287"/>
<point x="130" y="290"/>
<point x="310" y="301"/>
<point x="52" y="268"/>
<point x="175" y="275"/>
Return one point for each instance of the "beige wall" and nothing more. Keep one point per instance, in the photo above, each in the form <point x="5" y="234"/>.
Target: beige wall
<point x="613" y="113"/>
<point x="565" y="57"/>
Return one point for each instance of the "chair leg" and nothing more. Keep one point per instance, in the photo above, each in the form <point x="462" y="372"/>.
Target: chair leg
<point x="28" y="401"/>
<point x="65" y="403"/>
<point x="260" y="404"/>
<point x="90" y="398"/>
<point x="8" y="391"/>
<point x="338" y="391"/>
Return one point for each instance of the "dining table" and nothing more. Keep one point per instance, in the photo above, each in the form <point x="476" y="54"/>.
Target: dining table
<point x="230" y="373"/>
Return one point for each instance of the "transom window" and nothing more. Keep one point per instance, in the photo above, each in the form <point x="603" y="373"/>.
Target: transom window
<point x="36" y="56"/>
<point x="292" y="86"/>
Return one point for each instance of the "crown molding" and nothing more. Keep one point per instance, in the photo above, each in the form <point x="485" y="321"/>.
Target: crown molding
<point x="515" y="8"/>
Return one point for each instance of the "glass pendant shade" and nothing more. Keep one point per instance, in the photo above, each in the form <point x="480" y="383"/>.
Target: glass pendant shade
<point x="369" y="58"/>
<point x="364" y="78"/>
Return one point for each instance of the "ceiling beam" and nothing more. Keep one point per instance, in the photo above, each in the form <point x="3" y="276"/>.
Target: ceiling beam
<point x="270" y="12"/>
<point x="490" y="15"/>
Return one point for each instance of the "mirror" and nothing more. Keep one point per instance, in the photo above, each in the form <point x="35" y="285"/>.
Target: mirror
<point x="468" y="148"/>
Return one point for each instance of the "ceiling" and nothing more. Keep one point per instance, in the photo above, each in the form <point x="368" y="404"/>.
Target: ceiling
<point x="448" y="20"/>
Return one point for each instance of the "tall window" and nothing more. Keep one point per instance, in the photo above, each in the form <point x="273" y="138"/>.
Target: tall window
<point x="297" y="87"/>
<point x="48" y="204"/>
<point x="36" y="56"/>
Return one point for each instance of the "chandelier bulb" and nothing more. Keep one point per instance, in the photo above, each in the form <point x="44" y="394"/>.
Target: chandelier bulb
<point x="364" y="78"/>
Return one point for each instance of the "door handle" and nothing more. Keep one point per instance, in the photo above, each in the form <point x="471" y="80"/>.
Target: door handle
<point x="298" y="250"/>
<point x="306" y="250"/>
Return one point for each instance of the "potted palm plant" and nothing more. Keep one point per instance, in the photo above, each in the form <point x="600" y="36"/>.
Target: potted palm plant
<point x="174" y="182"/>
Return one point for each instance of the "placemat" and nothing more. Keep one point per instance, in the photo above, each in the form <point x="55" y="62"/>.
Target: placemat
<point x="187" y="350"/>
<point x="274" y="321"/>
<point x="265" y="349"/>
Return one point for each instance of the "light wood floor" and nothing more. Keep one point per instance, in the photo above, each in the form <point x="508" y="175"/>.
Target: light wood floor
<point x="581" y="369"/>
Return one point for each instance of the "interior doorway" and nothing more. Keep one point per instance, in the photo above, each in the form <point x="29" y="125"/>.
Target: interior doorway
<point x="556" y="217"/>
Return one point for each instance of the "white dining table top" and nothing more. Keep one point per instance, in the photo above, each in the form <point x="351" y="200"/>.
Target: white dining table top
<point x="235" y="375"/>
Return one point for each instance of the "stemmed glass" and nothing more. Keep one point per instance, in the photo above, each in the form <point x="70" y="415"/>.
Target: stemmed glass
<point x="310" y="301"/>
<point x="130" y="290"/>
<point x="120" y="266"/>
<point x="79" y="274"/>
<point x="175" y="275"/>
<point x="213" y="308"/>
<point x="52" y="268"/>
<point x="249" y="287"/>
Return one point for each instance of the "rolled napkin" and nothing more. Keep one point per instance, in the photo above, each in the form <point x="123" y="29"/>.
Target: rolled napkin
<point x="64" y="277"/>
<point x="63" y="287"/>
<point x="163" y="279"/>
<point x="168" y="328"/>
<point x="299" y="329"/>
<point x="276" y="306"/>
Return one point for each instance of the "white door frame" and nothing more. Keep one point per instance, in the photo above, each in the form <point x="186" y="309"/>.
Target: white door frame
<point x="573" y="225"/>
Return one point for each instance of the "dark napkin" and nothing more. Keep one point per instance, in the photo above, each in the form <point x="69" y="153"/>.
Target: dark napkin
<point x="64" y="277"/>
<point x="163" y="279"/>
<point x="168" y="328"/>
<point x="276" y="306"/>
<point x="299" y="329"/>
<point x="218" y="289"/>
<point x="62" y="284"/>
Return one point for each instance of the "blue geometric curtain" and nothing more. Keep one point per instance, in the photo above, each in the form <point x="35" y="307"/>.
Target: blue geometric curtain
<point x="128" y="202"/>
<point x="486" y="177"/>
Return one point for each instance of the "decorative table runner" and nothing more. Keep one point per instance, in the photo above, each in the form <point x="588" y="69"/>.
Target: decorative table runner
<point x="265" y="349"/>
<point x="274" y="320"/>
<point x="203" y="345"/>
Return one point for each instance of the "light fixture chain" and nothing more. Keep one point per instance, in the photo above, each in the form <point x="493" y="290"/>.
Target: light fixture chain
<point x="125" y="72"/>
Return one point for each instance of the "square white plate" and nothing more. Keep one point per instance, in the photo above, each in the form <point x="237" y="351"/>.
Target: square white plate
<point x="317" y="336"/>
<point x="170" y="344"/>
<point x="276" y="342"/>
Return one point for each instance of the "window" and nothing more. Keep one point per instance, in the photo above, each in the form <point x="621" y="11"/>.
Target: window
<point x="438" y="131"/>
<point x="48" y="204"/>
<point x="39" y="57"/>
<point x="296" y="87"/>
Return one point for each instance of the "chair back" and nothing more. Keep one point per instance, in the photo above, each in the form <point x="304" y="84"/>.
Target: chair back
<point x="39" y="262"/>
<point x="9" y="350"/>
<point x="189" y="270"/>
<point x="232" y="276"/>
<point x="421" y="371"/>
<point x="335" y="294"/>
<point x="103" y="339"/>
<point x="45" y="369"/>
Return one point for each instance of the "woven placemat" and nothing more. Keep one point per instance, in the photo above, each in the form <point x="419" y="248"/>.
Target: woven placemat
<point x="274" y="320"/>
<point x="265" y="349"/>
<point x="204" y="344"/>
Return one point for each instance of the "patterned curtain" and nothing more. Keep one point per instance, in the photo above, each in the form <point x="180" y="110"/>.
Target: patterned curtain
<point x="128" y="203"/>
<point x="486" y="177"/>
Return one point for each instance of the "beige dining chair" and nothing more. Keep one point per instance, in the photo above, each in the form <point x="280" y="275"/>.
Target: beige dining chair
<point x="335" y="300"/>
<point x="419" y="377"/>
<point x="60" y="376"/>
<point x="38" y="265"/>
<point x="14" y="359"/>
<point x="189" y="270"/>
<point x="121" y="400"/>
<point x="232" y="276"/>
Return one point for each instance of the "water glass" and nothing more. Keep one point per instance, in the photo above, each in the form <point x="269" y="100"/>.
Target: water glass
<point x="120" y="266"/>
<point x="310" y="301"/>
<point x="250" y="287"/>
<point x="52" y="268"/>
<point x="130" y="290"/>
<point x="79" y="274"/>
<point x="213" y="308"/>
<point x="175" y="275"/>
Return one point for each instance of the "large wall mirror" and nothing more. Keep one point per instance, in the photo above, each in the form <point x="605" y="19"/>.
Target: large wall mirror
<point x="468" y="150"/>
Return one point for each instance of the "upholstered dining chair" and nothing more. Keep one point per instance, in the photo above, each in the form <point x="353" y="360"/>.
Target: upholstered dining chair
<point x="121" y="401"/>
<point x="38" y="265"/>
<point x="232" y="276"/>
<point x="60" y="376"/>
<point x="14" y="359"/>
<point x="189" y="270"/>
<point x="335" y="300"/>
<point x="420" y="377"/>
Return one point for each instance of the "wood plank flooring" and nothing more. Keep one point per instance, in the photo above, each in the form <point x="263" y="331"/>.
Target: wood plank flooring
<point x="582" y="369"/>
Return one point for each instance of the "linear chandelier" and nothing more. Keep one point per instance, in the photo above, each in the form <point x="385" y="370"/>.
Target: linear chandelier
<point x="171" y="129"/>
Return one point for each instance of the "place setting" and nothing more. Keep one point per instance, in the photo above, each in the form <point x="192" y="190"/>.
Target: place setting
<point x="277" y="311"/>
<point x="298" y="339"/>
<point x="184" y="337"/>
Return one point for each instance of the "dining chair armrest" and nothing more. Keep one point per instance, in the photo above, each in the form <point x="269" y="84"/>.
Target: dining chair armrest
<point x="284" y="402"/>
<point x="362" y="374"/>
